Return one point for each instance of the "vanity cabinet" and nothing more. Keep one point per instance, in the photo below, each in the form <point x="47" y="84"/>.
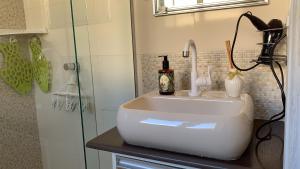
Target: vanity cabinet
<point x="129" y="162"/>
<point x="259" y="155"/>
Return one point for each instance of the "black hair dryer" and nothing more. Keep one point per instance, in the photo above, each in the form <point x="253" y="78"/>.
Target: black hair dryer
<point x="272" y="35"/>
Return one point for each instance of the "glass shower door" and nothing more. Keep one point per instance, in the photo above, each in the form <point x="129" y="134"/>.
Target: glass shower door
<point x="104" y="54"/>
<point x="85" y="81"/>
<point x="60" y="128"/>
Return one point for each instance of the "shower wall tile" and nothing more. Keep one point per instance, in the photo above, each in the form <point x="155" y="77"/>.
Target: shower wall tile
<point x="259" y="83"/>
<point x="19" y="151"/>
<point x="12" y="15"/>
<point x="19" y="137"/>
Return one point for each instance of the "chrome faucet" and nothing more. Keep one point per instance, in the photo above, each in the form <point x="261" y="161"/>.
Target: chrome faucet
<point x="195" y="80"/>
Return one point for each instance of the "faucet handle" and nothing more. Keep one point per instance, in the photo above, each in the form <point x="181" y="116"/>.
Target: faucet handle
<point x="206" y="80"/>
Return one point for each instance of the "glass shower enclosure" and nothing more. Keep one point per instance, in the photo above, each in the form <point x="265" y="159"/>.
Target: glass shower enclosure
<point x="104" y="57"/>
<point x="75" y="63"/>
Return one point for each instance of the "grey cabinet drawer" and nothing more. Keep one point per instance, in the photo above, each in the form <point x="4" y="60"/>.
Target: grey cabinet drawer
<point x="127" y="163"/>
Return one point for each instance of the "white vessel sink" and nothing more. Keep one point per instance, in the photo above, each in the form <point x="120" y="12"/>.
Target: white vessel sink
<point x="210" y="125"/>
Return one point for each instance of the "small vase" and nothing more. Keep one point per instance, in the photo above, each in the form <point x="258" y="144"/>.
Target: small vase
<point x="233" y="86"/>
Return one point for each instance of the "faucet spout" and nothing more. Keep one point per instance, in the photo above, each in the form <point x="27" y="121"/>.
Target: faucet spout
<point x="194" y="74"/>
<point x="186" y="52"/>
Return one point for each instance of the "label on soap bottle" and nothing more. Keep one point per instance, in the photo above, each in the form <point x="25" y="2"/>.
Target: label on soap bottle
<point x="166" y="83"/>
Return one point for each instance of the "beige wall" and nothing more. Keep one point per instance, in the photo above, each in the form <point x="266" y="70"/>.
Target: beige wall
<point x="209" y="29"/>
<point x="36" y="14"/>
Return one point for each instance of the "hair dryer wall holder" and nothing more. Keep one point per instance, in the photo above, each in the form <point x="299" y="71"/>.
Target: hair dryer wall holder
<point x="268" y="58"/>
<point x="276" y="58"/>
<point x="273" y="29"/>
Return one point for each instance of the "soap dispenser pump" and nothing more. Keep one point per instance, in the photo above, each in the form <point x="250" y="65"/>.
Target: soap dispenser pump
<point x="166" y="78"/>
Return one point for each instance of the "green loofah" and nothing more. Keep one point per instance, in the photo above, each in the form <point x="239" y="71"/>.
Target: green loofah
<point x="17" y="71"/>
<point x="41" y="66"/>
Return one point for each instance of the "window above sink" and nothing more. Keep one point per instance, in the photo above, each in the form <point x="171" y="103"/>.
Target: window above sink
<point x="170" y="7"/>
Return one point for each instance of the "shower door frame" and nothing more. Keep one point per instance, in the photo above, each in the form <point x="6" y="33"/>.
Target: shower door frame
<point x="292" y="120"/>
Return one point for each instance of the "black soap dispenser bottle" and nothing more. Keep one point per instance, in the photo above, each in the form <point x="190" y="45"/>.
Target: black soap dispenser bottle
<point x="166" y="78"/>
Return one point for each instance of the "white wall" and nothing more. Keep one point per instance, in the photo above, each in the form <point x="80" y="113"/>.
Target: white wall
<point x="209" y="29"/>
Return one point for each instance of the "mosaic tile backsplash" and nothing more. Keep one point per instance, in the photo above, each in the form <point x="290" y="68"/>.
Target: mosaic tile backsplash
<point x="12" y="15"/>
<point x="259" y="82"/>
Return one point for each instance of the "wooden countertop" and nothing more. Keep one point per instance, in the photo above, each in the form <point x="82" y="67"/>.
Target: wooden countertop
<point x="265" y="155"/>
